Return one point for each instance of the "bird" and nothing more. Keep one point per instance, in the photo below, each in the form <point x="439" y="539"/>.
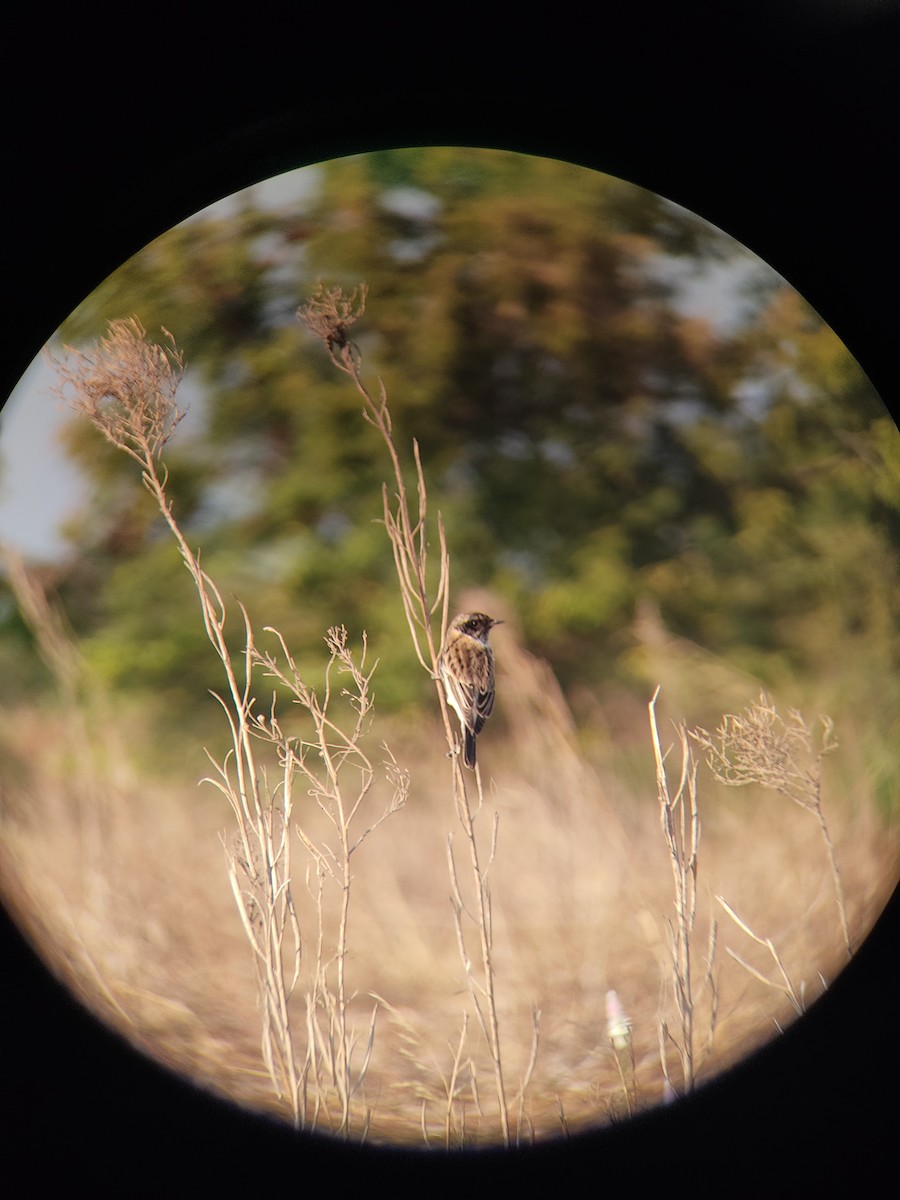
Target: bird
<point x="466" y="667"/>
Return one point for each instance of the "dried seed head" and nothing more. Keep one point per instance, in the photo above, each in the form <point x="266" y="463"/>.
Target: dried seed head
<point x="125" y="385"/>
<point x="329" y="314"/>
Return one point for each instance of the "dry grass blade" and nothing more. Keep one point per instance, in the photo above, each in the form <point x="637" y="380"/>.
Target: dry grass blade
<point x="786" y="986"/>
<point x="680" y="821"/>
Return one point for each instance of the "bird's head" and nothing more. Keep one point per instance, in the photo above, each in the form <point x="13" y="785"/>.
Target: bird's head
<point x="476" y="625"/>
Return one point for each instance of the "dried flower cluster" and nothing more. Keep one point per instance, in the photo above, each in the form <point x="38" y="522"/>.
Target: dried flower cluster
<point x="126" y="387"/>
<point x="329" y="314"/>
<point x="759" y="746"/>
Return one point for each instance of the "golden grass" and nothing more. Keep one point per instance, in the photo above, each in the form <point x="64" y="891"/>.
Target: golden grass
<point x="556" y="983"/>
<point x="124" y="890"/>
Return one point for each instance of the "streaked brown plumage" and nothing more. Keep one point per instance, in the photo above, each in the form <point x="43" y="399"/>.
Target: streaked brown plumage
<point x="467" y="670"/>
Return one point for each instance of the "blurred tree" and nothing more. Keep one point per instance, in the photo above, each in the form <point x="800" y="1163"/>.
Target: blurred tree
<point x="588" y="443"/>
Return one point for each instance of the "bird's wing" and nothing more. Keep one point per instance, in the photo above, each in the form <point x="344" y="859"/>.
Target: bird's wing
<point x="483" y="705"/>
<point x="472" y="701"/>
<point x="463" y="697"/>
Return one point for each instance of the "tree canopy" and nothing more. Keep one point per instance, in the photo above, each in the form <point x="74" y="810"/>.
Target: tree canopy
<point x="591" y="444"/>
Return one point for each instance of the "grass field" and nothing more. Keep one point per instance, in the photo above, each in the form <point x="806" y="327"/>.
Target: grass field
<point x="383" y="945"/>
<point x="122" y="884"/>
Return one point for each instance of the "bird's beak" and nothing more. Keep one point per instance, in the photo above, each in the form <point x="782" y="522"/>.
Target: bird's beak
<point x="496" y="622"/>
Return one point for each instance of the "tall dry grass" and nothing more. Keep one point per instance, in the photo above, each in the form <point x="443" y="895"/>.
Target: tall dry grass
<point x="127" y="388"/>
<point x="679" y="811"/>
<point x="329" y="315"/>
<point x="167" y="962"/>
<point x="591" y="895"/>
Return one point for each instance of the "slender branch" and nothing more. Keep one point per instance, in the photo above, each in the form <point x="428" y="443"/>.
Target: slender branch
<point x="680" y="821"/>
<point x="330" y="315"/>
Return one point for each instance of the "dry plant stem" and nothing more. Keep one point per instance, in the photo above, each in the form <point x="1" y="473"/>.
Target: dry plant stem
<point x="263" y="830"/>
<point x="330" y="798"/>
<point x="836" y="877"/>
<point x="680" y="820"/>
<point x="529" y="1072"/>
<point x="329" y="315"/>
<point x="561" y="1114"/>
<point x="627" y="1077"/>
<point x="832" y="863"/>
<point x="323" y="761"/>
<point x="451" y="1083"/>
<point x="786" y="986"/>
<point x="127" y="390"/>
<point x="55" y="644"/>
<point x="57" y="648"/>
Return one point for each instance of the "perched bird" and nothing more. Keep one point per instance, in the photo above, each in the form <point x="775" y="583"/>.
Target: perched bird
<point x="467" y="670"/>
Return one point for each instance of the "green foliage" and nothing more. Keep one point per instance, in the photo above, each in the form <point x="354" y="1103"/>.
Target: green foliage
<point x="588" y="444"/>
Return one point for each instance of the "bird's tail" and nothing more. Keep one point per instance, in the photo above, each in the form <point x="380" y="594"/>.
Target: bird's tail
<point x="470" y="749"/>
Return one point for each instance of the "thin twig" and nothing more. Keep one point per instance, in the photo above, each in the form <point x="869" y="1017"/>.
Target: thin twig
<point x="329" y="315"/>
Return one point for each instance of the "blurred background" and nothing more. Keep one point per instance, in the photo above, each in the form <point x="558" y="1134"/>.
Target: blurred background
<point x="630" y="424"/>
<point x="652" y="458"/>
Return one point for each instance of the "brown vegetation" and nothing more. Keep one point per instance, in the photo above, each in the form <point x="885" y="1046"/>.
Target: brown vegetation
<point x="146" y="934"/>
<point x="595" y="934"/>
